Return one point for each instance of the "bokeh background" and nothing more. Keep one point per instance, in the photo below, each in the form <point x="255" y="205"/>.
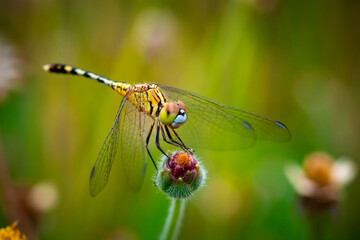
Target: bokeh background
<point x="293" y="61"/>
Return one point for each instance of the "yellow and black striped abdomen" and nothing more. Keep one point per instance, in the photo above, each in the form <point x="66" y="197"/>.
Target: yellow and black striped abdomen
<point x="120" y="87"/>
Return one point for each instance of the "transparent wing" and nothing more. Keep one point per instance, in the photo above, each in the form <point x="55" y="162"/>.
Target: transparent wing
<point x="133" y="151"/>
<point x="211" y="124"/>
<point x="101" y="170"/>
<point x="125" y="141"/>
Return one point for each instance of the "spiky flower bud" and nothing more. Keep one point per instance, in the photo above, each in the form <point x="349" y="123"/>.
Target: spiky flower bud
<point x="180" y="175"/>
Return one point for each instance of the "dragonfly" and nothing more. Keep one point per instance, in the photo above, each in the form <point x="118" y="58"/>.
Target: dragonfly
<point x="169" y="113"/>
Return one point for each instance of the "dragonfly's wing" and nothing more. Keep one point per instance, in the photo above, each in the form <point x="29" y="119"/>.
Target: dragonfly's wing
<point x="133" y="151"/>
<point x="125" y="141"/>
<point x="211" y="124"/>
<point x="101" y="170"/>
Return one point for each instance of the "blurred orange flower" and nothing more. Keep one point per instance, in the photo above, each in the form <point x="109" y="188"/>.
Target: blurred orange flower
<point x="11" y="233"/>
<point x="321" y="178"/>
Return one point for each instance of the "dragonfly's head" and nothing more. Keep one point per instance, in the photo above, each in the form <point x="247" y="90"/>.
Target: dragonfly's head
<point x="173" y="114"/>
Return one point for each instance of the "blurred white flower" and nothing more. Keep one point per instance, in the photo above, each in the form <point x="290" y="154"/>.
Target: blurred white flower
<point x="321" y="178"/>
<point x="43" y="197"/>
<point x="9" y="75"/>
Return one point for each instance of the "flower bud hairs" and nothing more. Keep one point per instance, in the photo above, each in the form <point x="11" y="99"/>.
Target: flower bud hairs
<point x="181" y="175"/>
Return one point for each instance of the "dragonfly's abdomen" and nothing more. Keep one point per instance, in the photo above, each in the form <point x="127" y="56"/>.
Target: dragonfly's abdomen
<point x="120" y="87"/>
<point x="147" y="98"/>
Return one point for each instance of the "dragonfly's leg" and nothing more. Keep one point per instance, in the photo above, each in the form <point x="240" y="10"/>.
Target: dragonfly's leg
<point x="176" y="144"/>
<point x="146" y="145"/>
<point x="187" y="149"/>
<point x="147" y="149"/>
<point x="170" y="137"/>
<point x="157" y="139"/>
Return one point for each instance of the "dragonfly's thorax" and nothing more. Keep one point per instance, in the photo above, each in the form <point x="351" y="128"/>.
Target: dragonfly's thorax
<point x="147" y="97"/>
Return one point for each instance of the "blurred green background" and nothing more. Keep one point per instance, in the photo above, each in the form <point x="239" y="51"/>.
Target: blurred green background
<point x="292" y="61"/>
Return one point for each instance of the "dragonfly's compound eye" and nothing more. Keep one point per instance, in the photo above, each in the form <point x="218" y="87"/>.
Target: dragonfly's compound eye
<point x="180" y="119"/>
<point x="181" y="105"/>
<point x="169" y="112"/>
<point x="173" y="114"/>
<point x="181" y="115"/>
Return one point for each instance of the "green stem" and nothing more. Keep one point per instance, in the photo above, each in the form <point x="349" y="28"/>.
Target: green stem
<point x="169" y="218"/>
<point x="176" y="211"/>
<point x="179" y="219"/>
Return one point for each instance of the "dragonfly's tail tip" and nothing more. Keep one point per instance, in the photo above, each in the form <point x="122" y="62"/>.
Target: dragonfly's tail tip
<point x="47" y="67"/>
